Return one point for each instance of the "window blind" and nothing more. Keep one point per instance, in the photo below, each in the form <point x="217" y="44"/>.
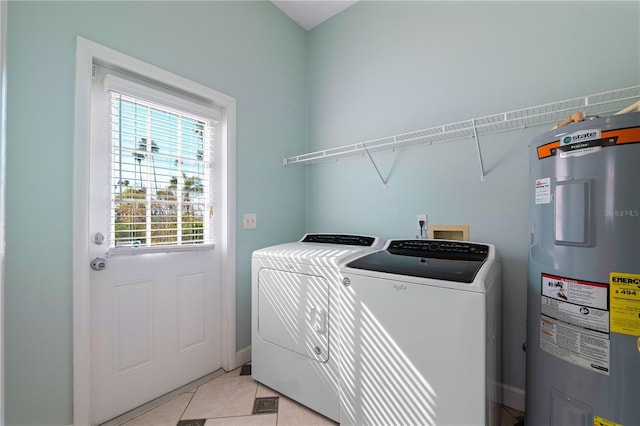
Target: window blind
<point x="160" y="168"/>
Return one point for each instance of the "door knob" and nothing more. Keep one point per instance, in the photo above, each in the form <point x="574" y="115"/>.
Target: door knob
<point x="98" y="264"/>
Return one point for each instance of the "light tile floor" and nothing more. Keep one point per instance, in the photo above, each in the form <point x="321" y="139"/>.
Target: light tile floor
<point x="228" y="401"/>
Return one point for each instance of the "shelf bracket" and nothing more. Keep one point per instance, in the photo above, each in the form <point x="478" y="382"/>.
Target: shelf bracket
<point x="384" y="181"/>
<point x="483" y="176"/>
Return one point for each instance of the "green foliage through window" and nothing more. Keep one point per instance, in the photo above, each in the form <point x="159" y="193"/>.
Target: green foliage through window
<point x="160" y="175"/>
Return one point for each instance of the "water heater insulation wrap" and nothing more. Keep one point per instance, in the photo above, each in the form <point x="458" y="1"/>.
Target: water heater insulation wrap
<point x="583" y="295"/>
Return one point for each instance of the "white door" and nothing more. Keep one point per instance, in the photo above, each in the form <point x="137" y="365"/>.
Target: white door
<point x="155" y="311"/>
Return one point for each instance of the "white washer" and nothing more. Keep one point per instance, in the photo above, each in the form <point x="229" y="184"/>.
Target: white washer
<point x="294" y="303"/>
<point x="420" y="335"/>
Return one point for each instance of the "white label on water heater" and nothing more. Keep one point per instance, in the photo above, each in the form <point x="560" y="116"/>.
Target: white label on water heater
<point x="576" y="292"/>
<point x="574" y="321"/>
<point x="543" y="191"/>
<point x="584" y="348"/>
<point x="593" y="319"/>
<point x="580" y="152"/>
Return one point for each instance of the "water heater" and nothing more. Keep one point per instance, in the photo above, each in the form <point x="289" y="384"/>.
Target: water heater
<point x="583" y="295"/>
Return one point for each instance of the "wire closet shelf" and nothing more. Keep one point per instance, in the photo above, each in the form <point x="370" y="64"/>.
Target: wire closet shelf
<point x="600" y="104"/>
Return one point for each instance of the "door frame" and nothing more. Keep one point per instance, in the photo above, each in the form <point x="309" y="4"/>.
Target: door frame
<point x="3" y="144"/>
<point x="86" y="52"/>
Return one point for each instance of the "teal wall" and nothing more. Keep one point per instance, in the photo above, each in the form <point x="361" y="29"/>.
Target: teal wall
<point x="383" y="68"/>
<point x="248" y="50"/>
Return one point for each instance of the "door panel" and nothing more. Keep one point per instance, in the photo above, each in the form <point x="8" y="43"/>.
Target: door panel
<point x="293" y="312"/>
<point x="192" y="313"/>
<point x="132" y="305"/>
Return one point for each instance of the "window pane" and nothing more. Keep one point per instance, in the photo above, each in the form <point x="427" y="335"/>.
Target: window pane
<point x="160" y="174"/>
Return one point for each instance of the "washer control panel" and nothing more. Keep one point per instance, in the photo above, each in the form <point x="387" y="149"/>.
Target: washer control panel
<point x="439" y="248"/>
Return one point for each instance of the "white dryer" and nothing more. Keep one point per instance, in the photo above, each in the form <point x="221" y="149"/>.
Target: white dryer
<point x="294" y="304"/>
<point x="420" y="334"/>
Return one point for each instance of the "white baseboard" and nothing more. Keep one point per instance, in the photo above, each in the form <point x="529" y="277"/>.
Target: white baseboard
<point x="513" y="397"/>
<point x="243" y="356"/>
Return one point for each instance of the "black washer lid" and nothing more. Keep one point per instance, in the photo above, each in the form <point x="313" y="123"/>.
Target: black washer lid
<point x="455" y="261"/>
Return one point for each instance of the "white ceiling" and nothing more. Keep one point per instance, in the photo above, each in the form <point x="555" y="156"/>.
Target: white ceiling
<point x="309" y="13"/>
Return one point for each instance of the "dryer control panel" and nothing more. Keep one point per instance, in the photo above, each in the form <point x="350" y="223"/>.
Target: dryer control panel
<point x="344" y="239"/>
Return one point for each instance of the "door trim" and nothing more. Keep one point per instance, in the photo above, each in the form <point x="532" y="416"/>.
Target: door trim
<point x="3" y="144"/>
<point x="86" y="52"/>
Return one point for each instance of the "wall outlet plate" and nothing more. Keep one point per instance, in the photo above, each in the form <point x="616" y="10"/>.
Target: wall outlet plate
<point x="249" y="221"/>
<point x="422" y="217"/>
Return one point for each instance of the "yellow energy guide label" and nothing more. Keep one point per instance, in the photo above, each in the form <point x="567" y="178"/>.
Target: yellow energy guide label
<point x="624" y="303"/>
<point x="601" y="421"/>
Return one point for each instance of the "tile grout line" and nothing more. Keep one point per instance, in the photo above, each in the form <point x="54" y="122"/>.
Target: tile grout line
<point x="255" y="397"/>
<point x="188" y="403"/>
<point x="161" y="400"/>
<point x="222" y="376"/>
<point x="513" y="418"/>
<point x="510" y="411"/>
<point x="278" y="411"/>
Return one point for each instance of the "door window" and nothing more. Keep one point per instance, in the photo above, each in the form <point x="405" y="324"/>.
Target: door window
<point x="160" y="171"/>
